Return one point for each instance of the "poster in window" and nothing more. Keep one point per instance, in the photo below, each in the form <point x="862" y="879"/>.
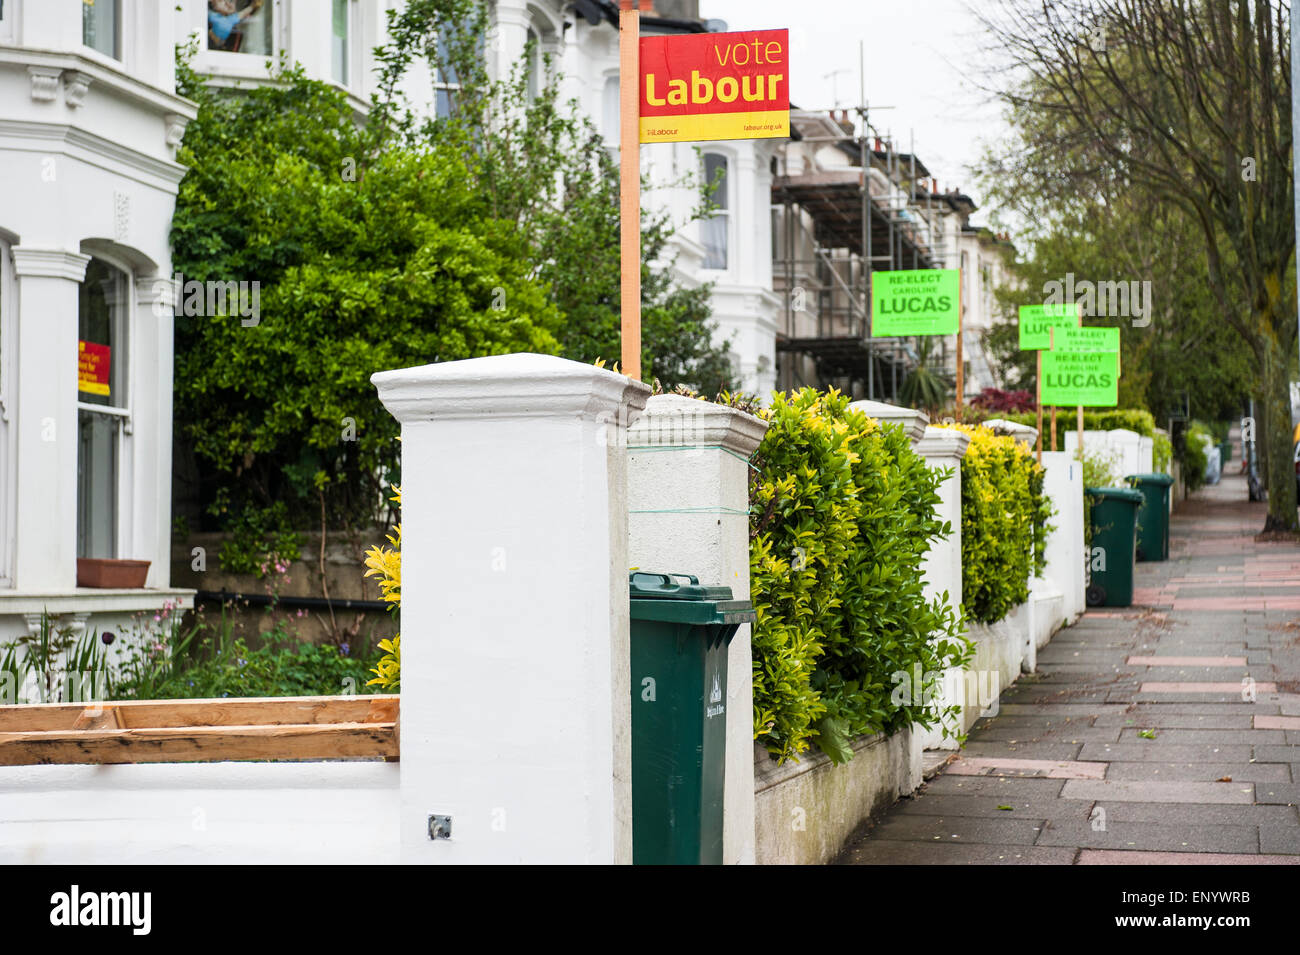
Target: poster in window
<point x="240" y="26"/>
<point x="92" y="368"/>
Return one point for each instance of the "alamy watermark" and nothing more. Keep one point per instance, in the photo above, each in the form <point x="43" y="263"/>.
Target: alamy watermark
<point x="193" y="298"/>
<point x="1106" y="299"/>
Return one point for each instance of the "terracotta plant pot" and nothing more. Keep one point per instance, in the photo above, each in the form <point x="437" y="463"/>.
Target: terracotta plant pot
<point x="118" y="574"/>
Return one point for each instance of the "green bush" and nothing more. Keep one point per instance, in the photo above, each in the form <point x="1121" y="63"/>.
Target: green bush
<point x="1096" y="419"/>
<point x="1194" y="458"/>
<point x="842" y="515"/>
<point x="1162" y="453"/>
<point x="1003" y="524"/>
<point x="284" y="666"/>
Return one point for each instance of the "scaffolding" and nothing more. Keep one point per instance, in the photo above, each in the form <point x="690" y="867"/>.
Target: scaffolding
<point x="834" y="228"/>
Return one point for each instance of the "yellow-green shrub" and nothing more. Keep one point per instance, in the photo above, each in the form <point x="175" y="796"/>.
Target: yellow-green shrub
<point x="1003" y="523"/>
<point x="843" y="512"/>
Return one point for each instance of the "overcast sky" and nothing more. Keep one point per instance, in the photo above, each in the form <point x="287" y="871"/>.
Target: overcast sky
<point x="920" y="58"/>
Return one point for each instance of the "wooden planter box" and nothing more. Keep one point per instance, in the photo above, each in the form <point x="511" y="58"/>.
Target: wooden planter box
<point x="189" y="731"/>
<point x="115" y="574"/>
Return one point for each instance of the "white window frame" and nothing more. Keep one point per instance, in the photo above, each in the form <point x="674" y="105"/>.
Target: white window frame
<point x="125" y="445"/>
<point x="352" y="49"/>
<point x="8" y="20"/>
<point x="244" y="65"/>
<point x="120" y="41"/>
<point x="725" y="212"/>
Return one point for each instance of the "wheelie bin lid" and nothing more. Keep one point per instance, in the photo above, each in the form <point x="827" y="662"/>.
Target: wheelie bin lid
<point x="1116" y="494"/>
<point x="1157" y="478"/>
<point x="671" y="598"/>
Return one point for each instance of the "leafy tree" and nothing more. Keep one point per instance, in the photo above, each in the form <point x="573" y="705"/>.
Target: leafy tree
<point x="400" y="266"/>
<point x="1188" y="106"/>
<point x="541" y="163"/>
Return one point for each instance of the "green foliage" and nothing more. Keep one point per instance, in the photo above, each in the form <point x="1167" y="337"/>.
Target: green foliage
<point x="1094" y="419"/>
<point x="1162" y="453"/>
<point x="1004" y="525"/>
<point x="1194" y="459"/>
<point x="925" y="386"/>
<point x="842" y="515"/>
<point x="542" y="164"/>
<point x="207" y="668"/>
<point x="400" y="266"/>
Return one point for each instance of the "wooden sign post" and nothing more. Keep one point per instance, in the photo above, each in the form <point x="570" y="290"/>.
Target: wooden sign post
<point x="629" y="96"/>
<point x="688" y="88"/>
<point x="1035" y="328"/>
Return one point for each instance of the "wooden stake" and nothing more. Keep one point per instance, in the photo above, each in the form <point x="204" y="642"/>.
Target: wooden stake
<point x="629" y="92"/>
<point x="1038" y="404"/>
<point x="1053" y="427"/>
<point x="961" y="383"/>
<point x="1080" y="432"/>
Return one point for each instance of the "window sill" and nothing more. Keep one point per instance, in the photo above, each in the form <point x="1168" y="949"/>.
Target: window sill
<point x="93" y="600"/>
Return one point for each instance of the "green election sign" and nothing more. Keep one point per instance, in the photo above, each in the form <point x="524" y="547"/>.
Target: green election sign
<point x="915" y="302"/>
<point x="1081" y="378"/>
<point x="1037" y="321"/>
<point x="1067" y="339"/>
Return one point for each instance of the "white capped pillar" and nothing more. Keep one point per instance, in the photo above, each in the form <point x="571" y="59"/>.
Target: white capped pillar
<point x="688" y="500"/>
<point x="516" y="712"/>
<point x="941" y="570"/>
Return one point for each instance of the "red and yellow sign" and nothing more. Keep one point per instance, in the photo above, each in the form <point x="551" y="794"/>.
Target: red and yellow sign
<point x="704" y="86"/>
<point x="92" y="368"/>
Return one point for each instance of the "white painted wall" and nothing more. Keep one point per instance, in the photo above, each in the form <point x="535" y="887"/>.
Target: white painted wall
<point x="88" y="156"/>
<point x="1129" y="451"/>
<point x="209" y="813"/>
<point x="1063" y="484"/>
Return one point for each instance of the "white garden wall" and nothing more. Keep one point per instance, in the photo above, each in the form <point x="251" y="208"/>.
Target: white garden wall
<point x="805" y="810"/>
<point x="245" y="813"/>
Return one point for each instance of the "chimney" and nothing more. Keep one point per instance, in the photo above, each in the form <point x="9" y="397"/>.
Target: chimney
<point x="877" y="144"/>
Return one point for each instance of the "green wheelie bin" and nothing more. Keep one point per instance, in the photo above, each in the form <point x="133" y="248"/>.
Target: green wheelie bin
<point x="680" y="634"/>
<point x="1114" y="545"/>
<point x="1153" y="515"/>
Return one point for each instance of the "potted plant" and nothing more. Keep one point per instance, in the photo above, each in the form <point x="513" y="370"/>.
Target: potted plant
<point x="109" y="572"/>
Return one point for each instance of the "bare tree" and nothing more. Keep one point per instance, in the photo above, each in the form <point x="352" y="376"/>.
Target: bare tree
<point x="1190" y="102"/>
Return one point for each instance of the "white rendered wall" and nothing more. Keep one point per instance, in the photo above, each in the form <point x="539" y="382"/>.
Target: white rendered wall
<point x="1063" y="484"/>
<point x="206" y="813"/>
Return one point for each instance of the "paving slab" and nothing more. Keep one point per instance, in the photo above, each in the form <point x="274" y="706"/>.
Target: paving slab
<point x="1207" y="666"/>
<point x="1159" y="791"/>
<point x="1111" y="857"/>
<point x="1149" y="836"/>
<point x="888" y="852"/>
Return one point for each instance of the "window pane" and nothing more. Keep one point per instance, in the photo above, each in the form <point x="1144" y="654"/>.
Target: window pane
<point x="715" y="169"/>
<point x="339" y="41"/>
<point x="240" y="26"/>
<point x="96" y="485"/>
<point x="714" y="228"/>
<point x="534" y="54"/>
<point x="103" y="300"/>
<point x="99" y="25"/>
<point x="611" y="109"/>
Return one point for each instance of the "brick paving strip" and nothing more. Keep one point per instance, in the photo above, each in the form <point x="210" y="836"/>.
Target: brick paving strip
<point x="1161" y="734"/>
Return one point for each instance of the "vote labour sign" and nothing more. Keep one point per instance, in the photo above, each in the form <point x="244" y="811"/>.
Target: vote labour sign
<point x="1037" y="321"/>
<point x="916" y="302"/>
<point x="702" y="86"/>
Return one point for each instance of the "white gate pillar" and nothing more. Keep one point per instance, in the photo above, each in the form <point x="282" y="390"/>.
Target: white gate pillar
<point x="516" y="708"/>
<point x="688" y="495"/>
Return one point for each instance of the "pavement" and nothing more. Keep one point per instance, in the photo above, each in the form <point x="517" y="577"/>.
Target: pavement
<point x="1163" y="733"/>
